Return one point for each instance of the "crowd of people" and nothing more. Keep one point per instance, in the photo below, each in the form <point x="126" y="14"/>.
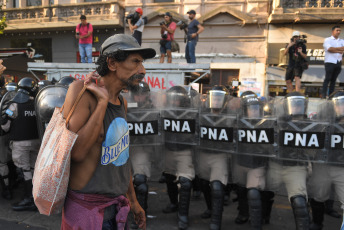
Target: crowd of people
<point x="215" y="140"/>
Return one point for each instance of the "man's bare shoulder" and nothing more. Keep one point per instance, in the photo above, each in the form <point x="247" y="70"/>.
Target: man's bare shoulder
<point x="83" y="108"/>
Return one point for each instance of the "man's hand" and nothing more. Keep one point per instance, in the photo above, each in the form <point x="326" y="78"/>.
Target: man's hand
<point x="194" y="35"/>
<point x="99" y="90"/>
<point x="139" y="215"/>
<point x="299" y="50"/>
<point x="2" y="68"/>
<point x="291" y="44"/>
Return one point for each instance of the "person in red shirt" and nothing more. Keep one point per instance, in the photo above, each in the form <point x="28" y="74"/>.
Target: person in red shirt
<point x="167" y="35"/>
<point x="84" y="33"/>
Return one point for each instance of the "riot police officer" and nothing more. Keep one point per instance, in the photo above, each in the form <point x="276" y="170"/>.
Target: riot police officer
<point x="5" y="159"/>
<point x="21" y="123"/>
<point x="324" y="175"/>
<point x="249" y="164"/>
<point x="179" y="168"/>
<point x="212" y="157"/>
<point x="141" y="110"/>
<point x="291" y="167"/>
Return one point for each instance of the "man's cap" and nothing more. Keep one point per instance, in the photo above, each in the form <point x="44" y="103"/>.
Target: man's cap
<point x="126" y="43"/>
<point x="139" y="10"/>
<point x="168" y="14"/>
<point x="82" y="17"/>
<point x="296" y="33"/>
<point x="191" y="12"/>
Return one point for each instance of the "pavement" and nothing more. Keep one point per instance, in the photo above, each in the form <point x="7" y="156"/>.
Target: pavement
<point x="281" y="216"/>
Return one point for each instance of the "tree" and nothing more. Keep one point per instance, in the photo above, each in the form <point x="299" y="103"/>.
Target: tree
<point x="3" y="24"/>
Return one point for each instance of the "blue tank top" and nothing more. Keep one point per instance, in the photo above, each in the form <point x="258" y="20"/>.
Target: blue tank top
<point x="112" y="174"/>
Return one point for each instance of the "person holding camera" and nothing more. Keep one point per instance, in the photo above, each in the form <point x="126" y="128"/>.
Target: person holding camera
<point x="297" y="57"/>
<point x="193" y="30"/>
<point x="84" y="33"/>
<point x="167" y="35"/>
<point x="136" y="24"/>
<point x="334" y="49"/>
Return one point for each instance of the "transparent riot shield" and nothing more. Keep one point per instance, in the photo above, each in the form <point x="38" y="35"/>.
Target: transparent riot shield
<point x="300" y="137"/>
<point x="143" y="119"/>
<point x="5" y="150"/>
<point x="46" y="101"/>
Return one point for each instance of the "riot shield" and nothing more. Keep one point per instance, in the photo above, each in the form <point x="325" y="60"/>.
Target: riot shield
<point x="4" y="137"/>
<point x="217" y="127"/>
<point x="179" y="125"/>
<point x="45" y="102"/>
<point x="301" y="138"/>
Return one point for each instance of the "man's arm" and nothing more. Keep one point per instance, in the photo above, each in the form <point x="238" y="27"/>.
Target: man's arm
<point x="169" y="29"/>
<point x="87" y="119"/>
<point x="131" y="27"/>
<point x="327" y="46"/>
<point x="286" y="50"/>
<point x="302" y="51"/>
<point x="139" y="213"/>
<point x="89" y="32"/>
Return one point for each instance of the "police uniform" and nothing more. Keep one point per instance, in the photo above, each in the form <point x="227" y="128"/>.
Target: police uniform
<point x="292" y="172"/>
<point x="179" y="167"/>
<point x="213" y="158"/>
<point x="324" y="175"/>
<point x="24" y="140"/>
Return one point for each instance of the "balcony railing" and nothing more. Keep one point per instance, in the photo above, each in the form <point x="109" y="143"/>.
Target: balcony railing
<point x="67" y="12"/>
<point x="312" y="3"/>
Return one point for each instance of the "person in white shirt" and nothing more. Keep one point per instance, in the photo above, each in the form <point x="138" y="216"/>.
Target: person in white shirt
<point x="334" y="48"/>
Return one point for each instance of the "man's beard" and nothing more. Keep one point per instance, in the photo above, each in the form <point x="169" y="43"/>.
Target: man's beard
<point x="131" y="82"/>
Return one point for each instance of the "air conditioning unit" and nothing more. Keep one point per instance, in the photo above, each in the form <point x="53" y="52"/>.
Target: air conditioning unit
<point x="283" y="59"/>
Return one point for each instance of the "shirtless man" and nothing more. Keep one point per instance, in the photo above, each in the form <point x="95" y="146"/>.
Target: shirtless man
<point x="100" y="170"/>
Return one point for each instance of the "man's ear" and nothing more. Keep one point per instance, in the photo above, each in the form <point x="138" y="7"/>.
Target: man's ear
<point x="112" y="64"/>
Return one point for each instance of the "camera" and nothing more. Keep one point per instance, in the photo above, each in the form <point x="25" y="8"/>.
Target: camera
<point x="162" y="23"/>
<point x="164" y="35"/>
<point x="301" y="41"/>
<point x="77" y="33"/>
<point x="182" y="25"/>
<point x="134" y="18"/>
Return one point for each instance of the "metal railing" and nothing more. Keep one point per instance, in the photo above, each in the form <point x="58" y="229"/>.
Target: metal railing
<point x="312" y="3"/>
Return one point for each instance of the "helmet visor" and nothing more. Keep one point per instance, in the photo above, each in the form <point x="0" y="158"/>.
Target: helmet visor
<point x="216" y="99"/>
<point x="253" y="111"/>
<point x="338" y="104"/>
<point x="296" y="105"/>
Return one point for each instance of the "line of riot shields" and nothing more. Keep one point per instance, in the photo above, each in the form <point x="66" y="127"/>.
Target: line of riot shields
<point x="214" y="125"/>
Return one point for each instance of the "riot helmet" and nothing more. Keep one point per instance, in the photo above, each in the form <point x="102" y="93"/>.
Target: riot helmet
<point x="43" y="83"/>
<point x="296" y="104"/>
<point x="140" y="93"/>
<point x="217" y="97"/>
<point x="337" y="99"/>
<point x="11" y="86"/>
<point x="66" y="81"/>
<point x="28" y="85"/>
<point x="177" y="96"/>
<point x="251" y="105"/>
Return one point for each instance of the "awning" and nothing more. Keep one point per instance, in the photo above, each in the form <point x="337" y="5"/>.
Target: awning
<point x="315" y="73"/>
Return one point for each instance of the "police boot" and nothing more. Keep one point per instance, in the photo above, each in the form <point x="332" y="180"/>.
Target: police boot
<point x="267" y="202"/>
<point x="184" y="202"/>
<point x="205" y="187"/>
<point x="196" y="188"/>
<point x="329" y="209"/>
<point x="300" y="210"/>
<point x="172" y="191"/>
<point x="255" y="208"/>
<point x="217" y="198"/>
<point x="243" y="215"/>
<point x="6" y="192"/>
<point x="141" y="190"/>
<point x="27" y="204"/>
<point x="228" y="189"/>
<point x="318" y="211"/>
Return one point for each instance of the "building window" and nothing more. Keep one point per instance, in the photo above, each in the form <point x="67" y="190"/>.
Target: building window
<point x="15" y="3"/>
<point x="33" y="2"/>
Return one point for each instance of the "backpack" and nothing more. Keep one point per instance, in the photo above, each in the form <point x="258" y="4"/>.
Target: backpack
<point x="88" y="25"/>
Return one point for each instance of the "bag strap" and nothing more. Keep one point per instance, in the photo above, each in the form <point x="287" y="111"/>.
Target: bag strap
<point x="75" y="104"/>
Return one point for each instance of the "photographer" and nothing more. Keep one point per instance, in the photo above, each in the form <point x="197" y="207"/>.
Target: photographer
<point x="193" y="30"/>
<point x="297" y="57"/>
<point x="136" y="24"/>
<point x="167" y="35"/>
